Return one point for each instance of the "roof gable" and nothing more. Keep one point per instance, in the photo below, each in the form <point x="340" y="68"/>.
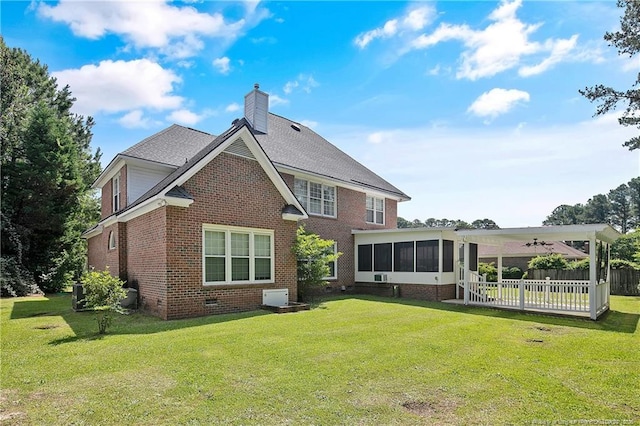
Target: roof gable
<point x="185" y="172"/>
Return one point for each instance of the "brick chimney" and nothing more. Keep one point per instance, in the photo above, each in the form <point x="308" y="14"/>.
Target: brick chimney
<point x="256" y="108"/>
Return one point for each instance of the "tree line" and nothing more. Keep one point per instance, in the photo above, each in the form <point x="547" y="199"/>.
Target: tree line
<point x="47" y="171"/>
<point x="619" y="208"/>
<point x="447" y="223"/>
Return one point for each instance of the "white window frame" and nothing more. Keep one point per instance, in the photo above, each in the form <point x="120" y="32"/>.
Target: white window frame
<point x="375" y="209"/>
<point x="112" y="240"/>
<point x="335" y="264"/>
<point x="252" y="232"/>
<point x="306" y="197"/>
<point x="115" y="193"/>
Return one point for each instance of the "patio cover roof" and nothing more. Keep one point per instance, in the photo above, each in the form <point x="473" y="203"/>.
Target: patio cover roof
<point x="601" y="232"/>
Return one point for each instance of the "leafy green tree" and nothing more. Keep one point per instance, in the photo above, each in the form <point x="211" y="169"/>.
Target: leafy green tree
<point x="314" y="255"/>
<point x="621" y="216"/>
<point x="549" y="261"/>
<point x="627" y="41"/>
<point x="103" y="293"/>
<point x="566" y="215"/>
<point x="403" y="223"/>
<point x="597" y="209"/>
<point x="627" y="247"/>
<point x="634" y="195"/>
<point x="47" y="170"/>
<point x="484" y="224"/>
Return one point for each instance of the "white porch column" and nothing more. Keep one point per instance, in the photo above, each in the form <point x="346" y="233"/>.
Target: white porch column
<point x="500" y="271"/>
<point x="466" y="273"/>
<point x="592" y="278"/>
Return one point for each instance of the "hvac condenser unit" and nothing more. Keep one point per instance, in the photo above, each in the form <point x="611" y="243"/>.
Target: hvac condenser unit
<point x="380" y="278"/>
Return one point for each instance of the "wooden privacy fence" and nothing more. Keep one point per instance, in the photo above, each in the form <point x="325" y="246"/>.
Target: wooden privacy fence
<point x="624" y="282"/>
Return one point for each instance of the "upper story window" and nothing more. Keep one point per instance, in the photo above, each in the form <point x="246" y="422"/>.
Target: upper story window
<point x="237" y="255"/>
<point x="375" y="210"/>
<point x="316" y="198"/>
<point x="116" y="192"/>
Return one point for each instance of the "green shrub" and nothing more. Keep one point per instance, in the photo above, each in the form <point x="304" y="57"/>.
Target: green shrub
<point x="314" y="255"/>
<point x="549" y="261"/>
<point x="103" y="293"/>
<point x="581" y="265"/>
<point x="623" y="264"/>
<point x="512" y="273"/>
<point x="490" y="270"/>
<point x="15" y="280"/>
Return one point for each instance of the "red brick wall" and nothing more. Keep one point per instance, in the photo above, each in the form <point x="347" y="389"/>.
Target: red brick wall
<point x="231" y="191"/>
<point x="106" y="204"/>
<point x="351" y="215"/>
<point x="106" y="208"/>
<point x="97" y="252"/>
<point x="101" y="257"/>
<point x="434" y="293"/>
<point x="146" y="260"/>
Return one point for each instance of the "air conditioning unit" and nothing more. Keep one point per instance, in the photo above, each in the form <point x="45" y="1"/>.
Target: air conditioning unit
<point x="77" y="298"/>
<point x="380" y="278"/>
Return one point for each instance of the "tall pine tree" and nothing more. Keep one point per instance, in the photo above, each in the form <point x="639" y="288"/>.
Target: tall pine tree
<point x="47" y="170"/>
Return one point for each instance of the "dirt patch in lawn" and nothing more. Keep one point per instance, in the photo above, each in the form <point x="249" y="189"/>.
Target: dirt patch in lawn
<point x="439" y="410"/>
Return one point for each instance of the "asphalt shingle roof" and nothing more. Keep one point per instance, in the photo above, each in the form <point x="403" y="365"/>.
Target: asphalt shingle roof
<point x="305" y="150"/>
<point x="173" y="145"/>
<point x="287" y="143"/>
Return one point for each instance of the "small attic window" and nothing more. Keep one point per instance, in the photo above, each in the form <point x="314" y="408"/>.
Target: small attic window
<point x="295" y="127"/>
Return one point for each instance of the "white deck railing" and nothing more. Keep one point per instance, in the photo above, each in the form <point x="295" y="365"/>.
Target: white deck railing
<point x="552" y="295"/>
<point x="602" y="296"/>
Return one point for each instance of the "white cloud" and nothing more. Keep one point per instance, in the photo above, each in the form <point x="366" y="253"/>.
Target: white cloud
<point x="505" y="43"/>
<point x="114" y="86"/>
<point x="559" y="50"/>
<point x="305" y="82"/>
<point x="175" y="31"/>
<point x="631" y="64"/>
<point x="497" y="101"/>
<point x="275" y="100"/>
<point x="309" y="123"/>
<point x="136" y="119"/>
<point x="525" y="169"/>
<point x="415" y="19"/>
<point x="222" y="65"/>
<point x="184" y="116"/>
<point x="233" y="107"/>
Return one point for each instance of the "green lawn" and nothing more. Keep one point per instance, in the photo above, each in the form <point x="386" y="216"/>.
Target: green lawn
<point x="360" y="360"/>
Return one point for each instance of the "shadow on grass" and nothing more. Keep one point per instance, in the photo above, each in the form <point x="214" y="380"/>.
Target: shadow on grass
<point x="84" y="325"/>
<point x="613" y="320"/>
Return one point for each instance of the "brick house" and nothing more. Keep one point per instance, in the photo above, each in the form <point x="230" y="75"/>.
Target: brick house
<point x="203" y="224"/>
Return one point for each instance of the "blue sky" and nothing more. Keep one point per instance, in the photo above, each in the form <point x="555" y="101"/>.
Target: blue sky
<point x="471" y="108"/>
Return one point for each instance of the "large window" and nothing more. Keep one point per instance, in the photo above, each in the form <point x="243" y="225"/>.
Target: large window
<point x="427" y="256"/>
<point x="403" y="257"/>
<point x="315" y="197"/>
<point x="237" y="255"/>
<point x="116" y="192"/>
<point x="382" y="257"/>
<point x="365" y="256"/>
<point x="375" y="210"/>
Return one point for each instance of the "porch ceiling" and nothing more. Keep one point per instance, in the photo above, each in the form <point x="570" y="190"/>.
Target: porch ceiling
<point x="600" y="232"/>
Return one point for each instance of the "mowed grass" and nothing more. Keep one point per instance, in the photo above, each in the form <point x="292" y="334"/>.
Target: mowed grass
<point x="357" y="360"/>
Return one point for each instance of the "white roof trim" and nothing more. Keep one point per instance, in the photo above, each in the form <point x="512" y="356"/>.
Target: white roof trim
<point x="257" y="151"/>
<point x="122" y="159"/>
<point x="601" y="232"/>
<point x="161" y="199"/>
<point x="304" y="174"/>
